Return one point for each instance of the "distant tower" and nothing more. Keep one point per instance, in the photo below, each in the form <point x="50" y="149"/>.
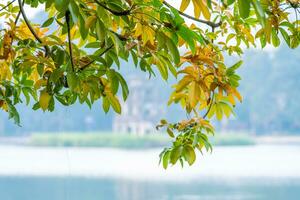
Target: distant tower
<point x="141" y="111"/>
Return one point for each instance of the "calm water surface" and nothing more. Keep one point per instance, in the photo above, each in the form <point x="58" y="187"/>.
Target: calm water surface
<point x="230" y="173"/>
<point x="43" y="188"/>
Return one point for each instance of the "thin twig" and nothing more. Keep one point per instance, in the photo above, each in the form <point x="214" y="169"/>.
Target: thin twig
<point x="70" y="39"/>
<point x="210" y="106"/>
<point x="47" y="50"/>
<point x="3" y="8"/>
<point x="121" y="37"/>
<point x="209" y="23"/>
<point x="19" y="14"/>
<point x="91" y="62"/>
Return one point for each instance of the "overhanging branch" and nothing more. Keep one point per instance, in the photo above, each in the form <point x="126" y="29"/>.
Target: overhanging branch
<point x="69" y="38"/>
<point x="209" y="23"/>
<point x="19" y="14"/>
<point x="47" y="50"/>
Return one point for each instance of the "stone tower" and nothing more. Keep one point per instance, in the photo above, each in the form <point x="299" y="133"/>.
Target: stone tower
<point x="142" y="110"/>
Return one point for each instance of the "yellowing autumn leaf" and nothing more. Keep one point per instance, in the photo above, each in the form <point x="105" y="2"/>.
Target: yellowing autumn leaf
<point x="237" y="95"/>
<point x="89" y="21"/>
<point x="201" y="7"/>
<point x="23" y="32"/>
<point x="44" y="100"/>
<point x="194" y="94"/>
<point x="114" y="102"/>
<point x="184" y="5"/>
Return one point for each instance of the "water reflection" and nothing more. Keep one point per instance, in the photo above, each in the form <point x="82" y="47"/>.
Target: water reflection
<point x="45" y="188"/>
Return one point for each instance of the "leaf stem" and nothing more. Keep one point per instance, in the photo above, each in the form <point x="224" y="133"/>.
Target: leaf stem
<point x="3" y="8"/>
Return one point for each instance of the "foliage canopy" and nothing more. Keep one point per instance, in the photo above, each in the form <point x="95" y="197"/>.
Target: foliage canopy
<point x="75" y="55"/>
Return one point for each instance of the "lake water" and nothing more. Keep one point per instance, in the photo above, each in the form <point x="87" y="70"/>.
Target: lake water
<point x="42" y="188"/>
<point x="233" y="173"/>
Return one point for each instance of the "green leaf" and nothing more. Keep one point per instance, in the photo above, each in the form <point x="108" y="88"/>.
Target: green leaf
<point x="105" y="104"/>
<point x="166" y="159"/>
<point x="114" y="81"/>
<point x="259" y="12"/>
<point x="189" y="154"/>
<point x="209" y="3"/>
<point x="72" y="80"/>
<point x="285" y="36"/>
<point x="244" y="8"/>
<point x="74" y="10"/>
<point x="48" y="22"/>
<point x="125" y="90"/>
<point x="83" y="32"/>
<point x="114" y="102"/>
<point x="94" y="45"/>
<point x="275" y="38"/>
<point x="175" y="154"/>
<point x="13" y="113"/>
<point x="61" y="5"/>
<point x="189" y="36"/>
<point x="219" y="112"/>
<point x="174" y="50"/>
<point x="100" y="30"/>
<point x="170" y="132"/>
<point x="231" y="70"/>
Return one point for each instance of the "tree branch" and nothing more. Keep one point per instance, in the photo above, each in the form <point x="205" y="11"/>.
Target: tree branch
<point x="47" y="50"/>
<point x="121" y="37"/>
<point x="209" y="23"/>
<point x="3" y="8"/>
<point x="114" y="12"/>
<point x="19" y="14"/>
<point x="104" y="52"/>
<point x="69" y="38"/>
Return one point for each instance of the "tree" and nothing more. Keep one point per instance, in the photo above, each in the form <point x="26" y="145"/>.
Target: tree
<point x="75" y="55"/>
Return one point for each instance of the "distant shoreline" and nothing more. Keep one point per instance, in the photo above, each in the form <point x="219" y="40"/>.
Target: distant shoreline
<point x="107" y="140"/>
<point x="114" y="140"/>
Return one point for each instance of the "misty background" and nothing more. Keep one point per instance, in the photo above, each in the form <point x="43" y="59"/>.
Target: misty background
<point x="270" y="88"/>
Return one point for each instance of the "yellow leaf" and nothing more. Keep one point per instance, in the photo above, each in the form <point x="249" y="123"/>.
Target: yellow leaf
<point x="201" y="7"/>
<point x="89" y="21"/>
<point x="114" y="102"/>
<point x="268" y="30"/>
<point x="183" y="83"/>
<point x="219" y="112"/>
<point x="44" y="100"/>
<point x="138" y="30"/>
<point x="197" y="10"/>
<point x="194" y="94"/>
<point x="204" y="9"/>
<point x="231" y="99"/>
<point x="39" y="83"/>
<point x="237" y="95"/>
<point x="184" y="5"/>
<point x="148" y="35"/>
